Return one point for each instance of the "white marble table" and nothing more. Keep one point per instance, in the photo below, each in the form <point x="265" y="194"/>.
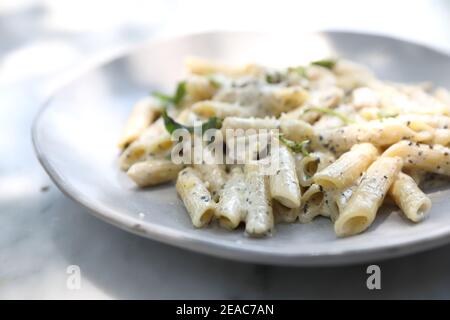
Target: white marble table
<point x="42" y="232"/>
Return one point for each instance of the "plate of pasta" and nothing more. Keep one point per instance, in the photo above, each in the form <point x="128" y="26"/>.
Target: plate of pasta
<point x="330" y="149"/>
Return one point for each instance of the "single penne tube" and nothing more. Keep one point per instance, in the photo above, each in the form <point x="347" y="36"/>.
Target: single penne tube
<point x="143" y="114"/>
<point x="195" y="196"/>
<point x="326" y="97"/>
<point x="435" y="121"/>
<point x="284" y="185"/>
<point x="211" y="108"/>
<point x="250" y="123"/>
<point x="431" y="158"/>
<point x="140" y="150"/>
<point x="406" y="194"/>
<point x="380" y="134"/>
<point x="211" y="172"/>
<point x="200" y="88"/>
<point x="348" y="167"/>
<point x="286" y="99"/>
<point x="363" y="205"/>
<point x="283" y="214"/>
<point x="206" y="67"/>
<point x="312" y="203"/>
<point x="296" y="130"/>
<point x="135" y="152"/>
<point x="309" y="165"/>
<point x="231" y="207"/>
<point x="153" y="172"/>
<point x="259" y="220"/>
<point x="336" y="200"/>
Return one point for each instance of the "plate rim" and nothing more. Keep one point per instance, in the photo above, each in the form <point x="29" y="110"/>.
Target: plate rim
<point x="179" y="239"/>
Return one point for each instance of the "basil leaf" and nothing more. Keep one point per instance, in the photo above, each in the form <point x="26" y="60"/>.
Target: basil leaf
<point x="326" y="63"/>
<point x="163" y="97"/>
<point x="330" y="112"/>
<point x="297" y="147"/>
<point x="172" y="125"/>
<point x="180" y="92"/>
<point x="178" y="96"/>
<point x="212" y="123"/>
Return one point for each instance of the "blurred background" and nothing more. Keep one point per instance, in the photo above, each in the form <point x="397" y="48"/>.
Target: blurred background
<point x="42" y="42"/>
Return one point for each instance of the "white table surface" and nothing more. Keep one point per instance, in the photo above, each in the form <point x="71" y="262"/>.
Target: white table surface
<point x="42" y="232"/>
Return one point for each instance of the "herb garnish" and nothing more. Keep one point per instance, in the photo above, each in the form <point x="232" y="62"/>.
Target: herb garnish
<point x="172" y="125"/>
<point x="297" y="147"/>
<point x="178" y="96"/>
<point x="326" y="63"/>
<point x="301" y="71"/>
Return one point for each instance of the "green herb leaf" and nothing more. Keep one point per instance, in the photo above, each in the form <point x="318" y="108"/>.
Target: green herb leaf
<point x="180" y="92"/>
<point x="301" y="71"/>
<point x="212" y="123"/>
<point x="216" y="84"/>
<point x="297" y="147"/>
<point x="172" y="125"/>
<point x="326" y="63"/>
<point x="330" y="112"/>
<point x="274" y="78"/>
<point x="163" y="97"/>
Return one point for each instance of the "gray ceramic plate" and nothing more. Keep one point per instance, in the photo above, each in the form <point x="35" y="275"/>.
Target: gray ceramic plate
<point x="75" y="138"/>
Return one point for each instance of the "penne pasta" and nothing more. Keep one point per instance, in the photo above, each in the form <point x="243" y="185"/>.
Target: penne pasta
<point x="309" y="165"/>
<point x="195" y="196"/>
<point x="259" y="220"/>
<point x="153" y="172"/>
<point x="431" y="158"/>
<point x="143" y="114"/>
<point x="263" y="145"/>
<point x="231" y="209"/>
<point x="363" y="205"/>
<point x="284" y="185"/>
<point x="407" y="195"/>
<point x="348" y="167"/>
<point x="312" y="203"/>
